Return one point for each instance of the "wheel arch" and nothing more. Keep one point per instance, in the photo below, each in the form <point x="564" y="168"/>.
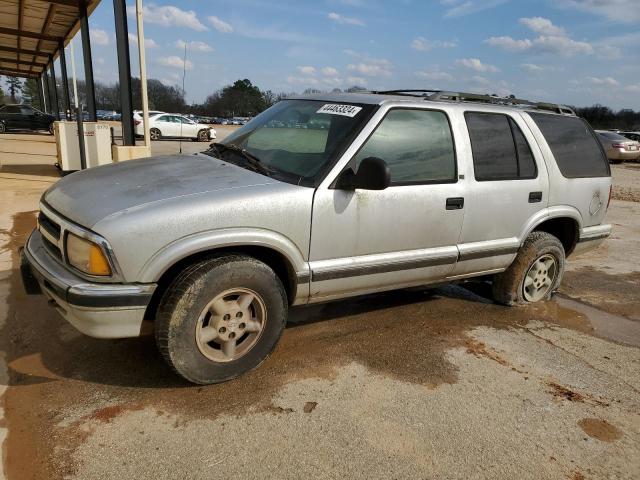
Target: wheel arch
<point x="276" y="251"/>
<point x="563" y="222"/>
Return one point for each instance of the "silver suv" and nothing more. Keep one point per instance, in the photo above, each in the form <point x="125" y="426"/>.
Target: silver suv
<point x="319" y="198"/>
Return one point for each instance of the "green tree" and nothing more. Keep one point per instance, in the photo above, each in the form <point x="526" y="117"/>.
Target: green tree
<point x="31" y="93"/>
<point x="15" y="87"/>
<point x="242" y="99"/>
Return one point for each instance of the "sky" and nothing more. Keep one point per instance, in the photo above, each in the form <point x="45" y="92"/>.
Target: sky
<point x="576" y="52"/>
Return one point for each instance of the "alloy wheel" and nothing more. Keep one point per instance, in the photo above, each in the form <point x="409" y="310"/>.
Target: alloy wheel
<point x="231" y="324"/>
<point x="540" y="278"/>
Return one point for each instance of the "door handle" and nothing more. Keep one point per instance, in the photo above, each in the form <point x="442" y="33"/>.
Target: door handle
<point x="455" y="203"/>
<point x="535" y="197"/>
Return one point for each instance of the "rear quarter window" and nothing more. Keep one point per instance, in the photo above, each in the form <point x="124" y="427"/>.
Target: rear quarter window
<point x="574" y="145"/>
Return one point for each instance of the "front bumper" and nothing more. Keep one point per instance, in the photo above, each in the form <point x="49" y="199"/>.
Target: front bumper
<point x="99" y="310"/>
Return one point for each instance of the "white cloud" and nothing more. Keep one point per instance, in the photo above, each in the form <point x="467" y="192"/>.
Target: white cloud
<point x="175" y="62"/>
<point x="633" y="88"/>
<point x="477" y="65"/>
<point x="148" y="42"/>
<point x="535" y="68"/>
<point x="329" y="71"/>
<point x="510" y="44"/>
<point x="372" y="67"/>
<point x="99" y="37"/>
<point x="423" y="45"/>
<point x="481" y="80"/>
<point x="307" y="70"/>
<point x="169" y="16"/>
<point x="622" y="11"/>
<point x="220" y="25"/>
<point x="552" y="39"/>
<point x="341" y="19"/>
<point x="356" y="81"/>
<point x="194" y="45"/>
<point x="435" y="75"/>
<point x="296" y="80"/>
<point x="460" y="8"/>
<point x="562" y="45"/>
<point x="605" y="81"/>
<point x="543" y="26"/>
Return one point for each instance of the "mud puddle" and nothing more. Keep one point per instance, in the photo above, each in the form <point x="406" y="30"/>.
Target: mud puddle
<point x="604" y="325"/>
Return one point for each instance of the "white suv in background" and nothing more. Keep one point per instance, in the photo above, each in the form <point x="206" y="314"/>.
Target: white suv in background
<point x="170" y="125"/>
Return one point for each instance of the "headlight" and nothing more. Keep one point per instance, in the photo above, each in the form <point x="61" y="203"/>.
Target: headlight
<point x="86" y="256"/>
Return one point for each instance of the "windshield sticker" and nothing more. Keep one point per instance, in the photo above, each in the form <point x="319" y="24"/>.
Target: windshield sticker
<point x="337" y="109"/>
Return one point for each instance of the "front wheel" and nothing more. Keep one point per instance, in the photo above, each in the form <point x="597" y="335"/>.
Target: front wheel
<point x="221" y="318"/>
<point x="535" y="273"/>
<point x="3" y="127"/>
<point x="51" y="128"/>
<point x="203" y="135"/>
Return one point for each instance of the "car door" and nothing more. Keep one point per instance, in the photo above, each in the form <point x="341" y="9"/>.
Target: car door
<point x="366" y="240"/>
<point x="188" y="128"/>
<point x="508" y="189"/>
<point x="28" y="118"/>
<point x="166" y="125"/>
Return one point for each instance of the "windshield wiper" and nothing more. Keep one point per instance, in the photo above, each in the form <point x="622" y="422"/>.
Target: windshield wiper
<point x="251" y="160"/>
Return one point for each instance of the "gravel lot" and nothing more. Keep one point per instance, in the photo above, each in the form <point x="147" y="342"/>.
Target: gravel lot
<point x="427" y="383"/>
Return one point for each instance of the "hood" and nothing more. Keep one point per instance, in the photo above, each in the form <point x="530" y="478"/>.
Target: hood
<point x="88" y="196"/>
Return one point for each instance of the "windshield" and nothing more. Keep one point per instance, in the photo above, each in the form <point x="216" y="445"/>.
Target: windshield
<point x="297" y="140"/>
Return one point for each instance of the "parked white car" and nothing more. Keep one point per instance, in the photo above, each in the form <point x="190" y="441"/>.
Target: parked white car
<point x="169" y="125"/>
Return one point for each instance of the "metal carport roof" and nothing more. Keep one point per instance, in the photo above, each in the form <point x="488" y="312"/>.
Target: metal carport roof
<point x="33" y="31"/>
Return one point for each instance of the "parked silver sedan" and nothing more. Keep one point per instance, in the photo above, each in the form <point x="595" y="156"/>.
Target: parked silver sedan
<point x="617" y="147"/>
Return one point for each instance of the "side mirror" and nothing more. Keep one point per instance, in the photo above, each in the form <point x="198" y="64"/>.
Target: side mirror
<point x="373" y="174"/>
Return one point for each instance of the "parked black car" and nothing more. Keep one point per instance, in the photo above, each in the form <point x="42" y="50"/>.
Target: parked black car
<point x="24" y="117"/>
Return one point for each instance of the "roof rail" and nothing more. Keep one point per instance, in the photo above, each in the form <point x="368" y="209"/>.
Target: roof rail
<point x="443" y="95"/>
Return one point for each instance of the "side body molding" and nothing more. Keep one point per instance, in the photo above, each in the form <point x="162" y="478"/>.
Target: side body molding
<point x="163" y="259"/>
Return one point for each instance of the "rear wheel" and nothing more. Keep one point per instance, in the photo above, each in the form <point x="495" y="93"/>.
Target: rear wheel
<point x="51" y="128"/>
<point x="155" y="134"/>
<point x="221" y="318"/>
<point x="535" y="273"/>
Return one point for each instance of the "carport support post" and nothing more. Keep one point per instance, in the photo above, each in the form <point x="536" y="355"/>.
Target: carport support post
<point x="65" y="83"/>
<point x="43" y="104"/>
<point x="47" y="84"/>
<point x="124" y="69"/>
<point x="56" y="107"/>
<point x="88" y="66"/>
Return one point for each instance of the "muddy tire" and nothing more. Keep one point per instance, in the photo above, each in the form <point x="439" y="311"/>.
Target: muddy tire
<point x="221" y="318"/>
<point x="534" y="275"/>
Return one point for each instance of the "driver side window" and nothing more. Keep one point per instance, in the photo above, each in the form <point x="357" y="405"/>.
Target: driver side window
<point x="416" y="144"/>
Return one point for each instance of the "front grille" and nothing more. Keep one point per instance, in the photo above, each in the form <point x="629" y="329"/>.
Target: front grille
<point x="52" y="248"/>
<point x="51" y="227"/>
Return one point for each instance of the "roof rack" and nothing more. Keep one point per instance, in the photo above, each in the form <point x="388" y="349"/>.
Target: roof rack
<point x="443" y="95"/>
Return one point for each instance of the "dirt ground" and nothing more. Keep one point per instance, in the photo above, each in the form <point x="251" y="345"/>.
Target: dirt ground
<point x="426" y="383"/>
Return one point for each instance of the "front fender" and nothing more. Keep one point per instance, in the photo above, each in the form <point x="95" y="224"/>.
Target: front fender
<point x="167" y="256"/>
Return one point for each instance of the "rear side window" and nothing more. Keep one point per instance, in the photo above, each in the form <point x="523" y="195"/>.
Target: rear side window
<point x="574" y="146"/>
<point x="500" y="150"/>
